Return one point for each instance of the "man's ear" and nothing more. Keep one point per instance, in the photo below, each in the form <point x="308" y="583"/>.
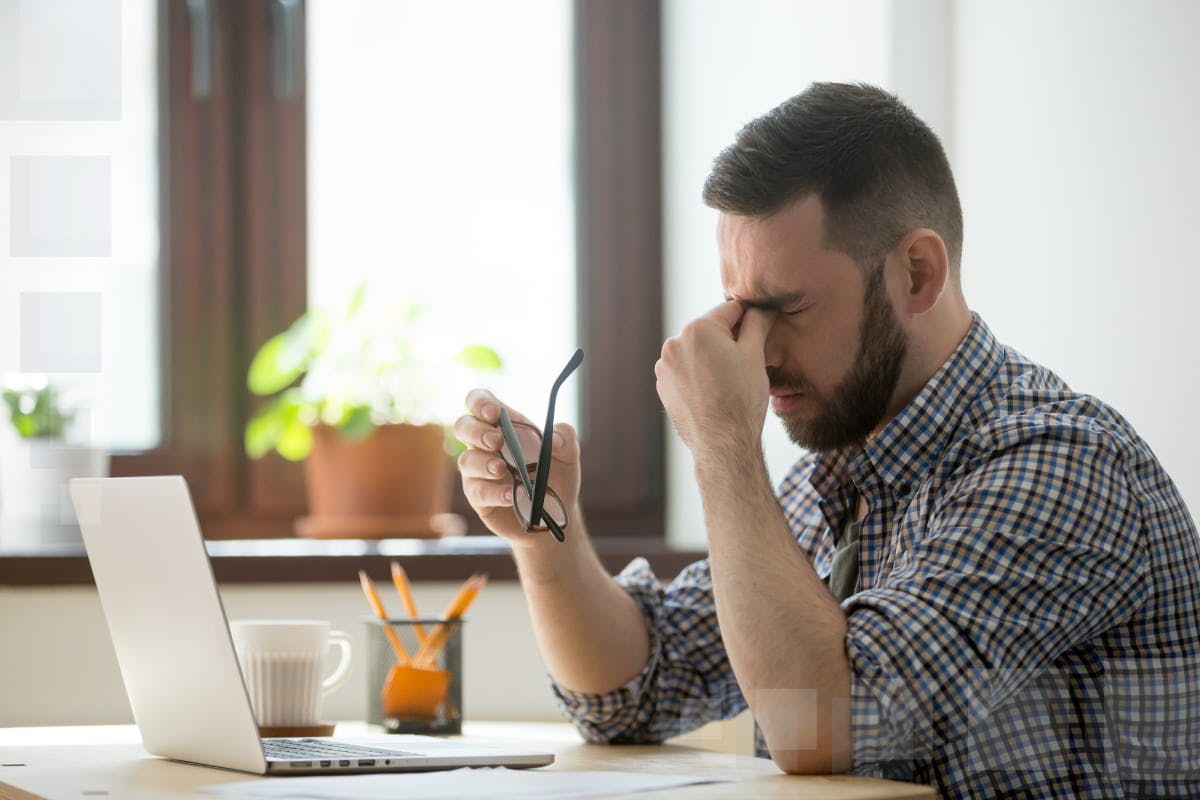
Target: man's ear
<point x="926" y="270"/>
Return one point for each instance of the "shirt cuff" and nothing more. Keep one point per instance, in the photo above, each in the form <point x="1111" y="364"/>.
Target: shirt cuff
<point x="603" y="717"/>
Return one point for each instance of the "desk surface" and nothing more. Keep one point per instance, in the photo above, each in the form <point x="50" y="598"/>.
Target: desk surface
<point x="108" y="760"/>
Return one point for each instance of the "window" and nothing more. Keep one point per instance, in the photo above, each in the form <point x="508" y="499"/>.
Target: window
<point x="440" y="170"/>
<point x="237" y="202"/>
<point x="79" y="159"/>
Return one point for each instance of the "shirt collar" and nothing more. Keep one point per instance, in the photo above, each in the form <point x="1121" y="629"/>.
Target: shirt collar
<point x="910" y="444"/>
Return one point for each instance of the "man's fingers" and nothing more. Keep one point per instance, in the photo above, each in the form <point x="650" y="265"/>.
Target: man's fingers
<point x="483" y="404"/>
<point x="566" y="442"/>
<point x="727" y="314"/>
<point x="474" y="432"/>
<point x="481" y="464"/>
<point x="756" y="324"/>
<point x="485" y="494"/>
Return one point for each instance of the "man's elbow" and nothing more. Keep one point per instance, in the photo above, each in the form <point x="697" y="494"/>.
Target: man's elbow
<point x="801" y="741"/>
<point x="809" y="762"/>
<point x="791" y="762"/>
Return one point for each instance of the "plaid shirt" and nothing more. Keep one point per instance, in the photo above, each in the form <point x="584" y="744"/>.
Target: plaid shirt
<point x="1028" y="616"/>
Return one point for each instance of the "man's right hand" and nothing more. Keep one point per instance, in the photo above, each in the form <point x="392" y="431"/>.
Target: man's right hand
<point x="590" y="631"/>
<point x="487" y="481"/>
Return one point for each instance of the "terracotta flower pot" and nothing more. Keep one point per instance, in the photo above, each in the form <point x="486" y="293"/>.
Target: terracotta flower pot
<point x="394" y="483"/>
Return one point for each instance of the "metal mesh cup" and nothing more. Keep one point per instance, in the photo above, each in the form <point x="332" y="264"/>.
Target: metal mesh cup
<point x="446" y="716"/>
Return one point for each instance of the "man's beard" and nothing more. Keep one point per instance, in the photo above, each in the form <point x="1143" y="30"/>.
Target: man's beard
<point x="856" y="407"/>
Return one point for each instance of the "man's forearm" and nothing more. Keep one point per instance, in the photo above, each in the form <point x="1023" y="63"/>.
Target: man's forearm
<point x="784" y="632"/>
<point x="591" y="633"/>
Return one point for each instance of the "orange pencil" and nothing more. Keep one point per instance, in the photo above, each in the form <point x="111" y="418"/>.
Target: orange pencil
<point x="458" y="606"/>
<point x="377" y="605"/>
<point x="400" y="581"/>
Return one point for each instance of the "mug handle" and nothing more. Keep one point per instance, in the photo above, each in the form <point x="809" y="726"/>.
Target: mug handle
<point x="342" y="672"/>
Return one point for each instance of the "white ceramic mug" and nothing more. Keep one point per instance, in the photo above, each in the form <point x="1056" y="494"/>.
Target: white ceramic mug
<point x="282" y="661"/>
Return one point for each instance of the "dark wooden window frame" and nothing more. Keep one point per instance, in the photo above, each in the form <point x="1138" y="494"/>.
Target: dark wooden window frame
<point x="234" y="235"/>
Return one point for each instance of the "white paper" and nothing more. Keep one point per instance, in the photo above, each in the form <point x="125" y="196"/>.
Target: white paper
<point x="460" y="784"/>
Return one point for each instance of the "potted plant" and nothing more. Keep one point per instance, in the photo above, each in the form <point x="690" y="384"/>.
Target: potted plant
<point x="37" y="461"/>
<point x="361" y="396"/>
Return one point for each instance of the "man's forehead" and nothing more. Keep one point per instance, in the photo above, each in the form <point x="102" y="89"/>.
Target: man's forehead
<point x="796" y="229"/>
<point x="801" y="222"/>
<point x="770" y="286"/>
<point x="767" y="257"/>
<point x="771" y="262"/>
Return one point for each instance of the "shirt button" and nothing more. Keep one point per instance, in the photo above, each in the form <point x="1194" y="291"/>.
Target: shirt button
<point x="903" y="489"/>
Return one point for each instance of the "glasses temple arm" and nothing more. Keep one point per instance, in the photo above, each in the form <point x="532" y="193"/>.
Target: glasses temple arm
<point x="544" y="458"/>
<point x="554" y="528"/>
<point x="514" y="447"/>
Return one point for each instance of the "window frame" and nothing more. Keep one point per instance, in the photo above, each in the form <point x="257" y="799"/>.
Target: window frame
<point x="234" y="238"/>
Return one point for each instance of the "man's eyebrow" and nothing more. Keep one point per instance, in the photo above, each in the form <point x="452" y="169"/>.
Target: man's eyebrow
<point x="771" y="302"/>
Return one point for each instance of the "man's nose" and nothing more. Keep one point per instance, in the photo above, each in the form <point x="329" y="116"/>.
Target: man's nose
<point x="773" y="349"/>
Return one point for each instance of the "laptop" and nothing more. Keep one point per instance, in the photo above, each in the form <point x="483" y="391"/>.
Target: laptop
<point x="181" y="673"/>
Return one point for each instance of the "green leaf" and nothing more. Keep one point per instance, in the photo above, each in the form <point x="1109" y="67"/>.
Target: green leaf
<point x="357" y="424"/>
<point x="413" y="311"/>
<point x="13" y="399"/>
<point x="26" y="426"/>
<point x="356" y="300"/>
<point x="267" y="429"/>
<point x="300" y="343"/>
<point x="295" y="440"/>
<point x="271" y="371"/>
<point x="476" y="356"/>
<point x="453" y="446"/>
<point x="36" y="412"/>
<point x="262" y="432"/>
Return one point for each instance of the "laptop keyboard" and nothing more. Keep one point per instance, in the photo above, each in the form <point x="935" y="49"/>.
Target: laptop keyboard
<point x="317" y="749"/>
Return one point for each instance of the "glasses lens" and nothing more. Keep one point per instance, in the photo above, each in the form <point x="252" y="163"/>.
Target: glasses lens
<point x="523" y="504"/>
<point x="530" y="442"/>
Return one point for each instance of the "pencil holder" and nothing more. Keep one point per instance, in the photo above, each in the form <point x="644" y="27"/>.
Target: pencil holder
<point x="425" y="695"/>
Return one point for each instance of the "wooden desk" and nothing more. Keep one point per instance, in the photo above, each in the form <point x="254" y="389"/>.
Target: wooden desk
<point x="108" y="761"/>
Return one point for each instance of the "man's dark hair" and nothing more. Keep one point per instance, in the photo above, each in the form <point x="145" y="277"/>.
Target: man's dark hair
<point x="879" y="170"/>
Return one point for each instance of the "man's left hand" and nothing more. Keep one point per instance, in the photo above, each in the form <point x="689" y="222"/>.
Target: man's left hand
<point x="712" y="379"/>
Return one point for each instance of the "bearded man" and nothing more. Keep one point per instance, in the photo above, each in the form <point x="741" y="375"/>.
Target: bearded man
<point x="974" y="578"/>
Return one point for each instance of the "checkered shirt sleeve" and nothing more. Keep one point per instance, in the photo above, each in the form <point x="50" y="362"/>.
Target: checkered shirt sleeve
<point x="687" y="680"/>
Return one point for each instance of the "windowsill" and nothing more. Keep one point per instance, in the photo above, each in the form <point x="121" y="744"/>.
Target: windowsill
<point x="330" y="560"/>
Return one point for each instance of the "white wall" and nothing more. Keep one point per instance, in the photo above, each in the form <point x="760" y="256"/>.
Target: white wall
<point x="1076" y="125"/>
<point x="725" y="63"/>
<point x="59" y="667"/>
<point x="1071" y="128"/>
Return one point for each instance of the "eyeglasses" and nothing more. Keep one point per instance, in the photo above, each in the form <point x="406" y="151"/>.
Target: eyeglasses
<point x="537" y="506"/>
